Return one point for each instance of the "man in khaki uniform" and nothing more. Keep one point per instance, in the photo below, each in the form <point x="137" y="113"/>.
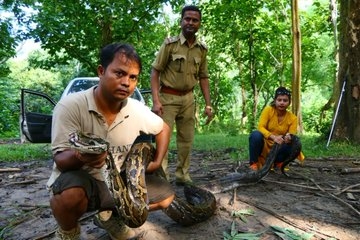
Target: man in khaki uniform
<point x="181" y="64"/>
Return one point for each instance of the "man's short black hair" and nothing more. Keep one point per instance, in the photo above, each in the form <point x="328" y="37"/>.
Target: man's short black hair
<point x="190" y="8"/>
<point x="108" y="52"/>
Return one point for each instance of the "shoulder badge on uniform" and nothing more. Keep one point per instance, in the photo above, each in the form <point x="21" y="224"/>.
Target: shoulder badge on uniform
<point x="171" y="39"/>
<point x="203" y="45"/>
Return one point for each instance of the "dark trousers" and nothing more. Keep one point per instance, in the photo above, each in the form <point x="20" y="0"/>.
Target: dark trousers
<point x="256" y="145"/>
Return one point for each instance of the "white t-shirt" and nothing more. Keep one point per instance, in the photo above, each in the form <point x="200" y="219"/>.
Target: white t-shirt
<point x="78" y="112"/>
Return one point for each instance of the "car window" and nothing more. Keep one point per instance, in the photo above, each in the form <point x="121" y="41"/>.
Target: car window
<point x="37" y="108"/>
<point x="38" y="104"/>
<point x="81" y="85"/>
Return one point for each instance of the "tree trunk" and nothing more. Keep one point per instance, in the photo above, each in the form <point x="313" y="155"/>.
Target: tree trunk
<point x="330" y="103"/>
<point x="296" y="81"/>
<point x="253" y="76"/>
<point x="347" y="125"/>
<point x="242" y="87"/>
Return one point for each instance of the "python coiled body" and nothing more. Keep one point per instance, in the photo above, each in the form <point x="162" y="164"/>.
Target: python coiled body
<point x="200" y="203"/>
<point x="199" y="206"/>
<point x="248" y="176"/>
<point x="131" y="199"/>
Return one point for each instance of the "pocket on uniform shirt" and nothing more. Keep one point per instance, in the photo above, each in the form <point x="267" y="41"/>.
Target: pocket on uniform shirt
<point x="178" y="62"/>
<point x="196" y="69"/>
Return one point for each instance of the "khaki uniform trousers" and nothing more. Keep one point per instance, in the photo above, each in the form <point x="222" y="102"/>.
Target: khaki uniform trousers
<point x="181" y="111"/>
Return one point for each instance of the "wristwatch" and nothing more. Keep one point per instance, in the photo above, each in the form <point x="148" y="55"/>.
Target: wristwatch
<point x="209" y="107"/>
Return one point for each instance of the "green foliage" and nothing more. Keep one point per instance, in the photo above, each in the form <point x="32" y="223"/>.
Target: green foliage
<point x="283" y="233"/>
<point x="62" y="73"/>
<point x="24" y="152"/>
<point x="235" y="235"/>
<point x="77" y="30"/>
<point x="7" y="44"/>
<point x="290" y="234"/>
<point x="9" y="106"/>
<point x="213" y="141"/>
<point x="313" y="147"/>
<point x="314" y="120"/>
<point x="248" y="58"/>
<point x="255" y="46"/>
<point x="9" y="109"/>
<point x="23" y="76"/>
<point x="69" y="70"/>
<point x="242" y="213"/>
<point x="35" y="103"/>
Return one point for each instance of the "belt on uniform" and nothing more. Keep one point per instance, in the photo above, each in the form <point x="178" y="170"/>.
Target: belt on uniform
<point x="173" y="91"/>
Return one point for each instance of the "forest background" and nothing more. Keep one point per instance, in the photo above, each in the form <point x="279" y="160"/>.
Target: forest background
<point x="250" y="53"/>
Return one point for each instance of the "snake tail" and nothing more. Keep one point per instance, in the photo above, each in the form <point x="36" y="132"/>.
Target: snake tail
<point x="245" y="177"/>
<point x="248" y="176"/>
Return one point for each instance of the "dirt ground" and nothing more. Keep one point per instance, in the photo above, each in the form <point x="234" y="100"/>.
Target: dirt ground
<point x="319" y="198"/>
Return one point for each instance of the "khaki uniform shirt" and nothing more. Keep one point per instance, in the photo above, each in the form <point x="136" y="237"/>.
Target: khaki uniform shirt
<point x="78" y="112"/>
<point x="181" y="66"/>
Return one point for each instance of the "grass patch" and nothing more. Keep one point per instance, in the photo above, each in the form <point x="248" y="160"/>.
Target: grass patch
<point x="219" y="141"/>
<point x="24" y="152"/>
<point x="314" y="146"/>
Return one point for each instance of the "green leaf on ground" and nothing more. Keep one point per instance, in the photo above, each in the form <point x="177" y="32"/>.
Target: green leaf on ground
<point x="290" y="234"/>
<point x="242" y="213"/>
<point x="235" y="235"/>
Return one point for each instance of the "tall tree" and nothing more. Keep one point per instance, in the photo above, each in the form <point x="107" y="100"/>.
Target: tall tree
<point x="78" y="29"/>
<point x="347" y="126"/>
<point x="296" y="71"/>
<point x="8" y="89"/>
<point x="252" y="40"/>
<point x="8" y="41"/>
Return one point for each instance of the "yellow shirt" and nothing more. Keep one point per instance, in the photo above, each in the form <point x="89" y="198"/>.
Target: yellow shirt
<point x="269" y="125"/>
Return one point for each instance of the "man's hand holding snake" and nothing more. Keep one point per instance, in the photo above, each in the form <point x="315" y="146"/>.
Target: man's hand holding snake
<point x="95" y="160"/>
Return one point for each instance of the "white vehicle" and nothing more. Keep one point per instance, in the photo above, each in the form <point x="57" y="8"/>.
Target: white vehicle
<point x="36" y="109"/>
